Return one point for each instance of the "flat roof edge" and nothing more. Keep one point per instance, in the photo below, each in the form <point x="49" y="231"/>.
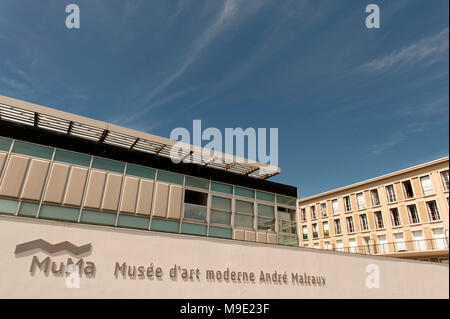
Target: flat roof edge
<point x="375" y="179"/>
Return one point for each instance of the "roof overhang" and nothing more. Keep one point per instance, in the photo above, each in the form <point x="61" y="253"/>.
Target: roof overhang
<point x="63" y="122"/>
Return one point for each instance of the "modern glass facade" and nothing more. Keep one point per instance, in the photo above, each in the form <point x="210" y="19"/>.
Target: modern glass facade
<point x="38" y="181"/>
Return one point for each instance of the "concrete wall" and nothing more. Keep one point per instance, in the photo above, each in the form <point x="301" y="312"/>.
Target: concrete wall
<point x="345" y="274"/>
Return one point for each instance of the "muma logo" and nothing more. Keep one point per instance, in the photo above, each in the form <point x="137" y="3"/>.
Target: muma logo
<point x="71" y="269"/>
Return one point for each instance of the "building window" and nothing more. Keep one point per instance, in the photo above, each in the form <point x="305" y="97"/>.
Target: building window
<point x="433" y="212"/>
<point x="413" y="214"/>
<point x="439" y="238"/>
<point x="347" y="204"/>
<point x="316" y="246"/>
<point x="337" y="227"/>
<point x="312" y="210"/>
<point x="427" y="186"/>
<point x="339" y="245"/>
<point x="286" y="220"/>
<point x="244" y="214"/>
<point x="395" y="217"/>
<point x="361" y="201"/>
<point x="374" y="197"/>
<point x="323" y="209"/>
<point x="379" y="220"/>
<point x="314" y="230"/>
<point x="266" y="217"/>
<point x="352" y="245"/>
<point x="303" y="214"/>
<point x="327" y="245"/>
<point x="326" y="230"/>
<point x="220" y="210"/>
<point x="407" y="189"/>
<point x="445" y="182"/>
<point x="195" y="205"/>
<point x="350" y="225"/>
<point x="400" y="244"/>
<point x="383" y="246"/>
<point x="390" y="192"/>
<point x="334" y="204"/>
<point x="305" y="232"/>
<point x="363" y="222"/>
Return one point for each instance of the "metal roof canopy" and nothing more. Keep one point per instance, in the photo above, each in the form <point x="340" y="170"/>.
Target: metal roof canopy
<point x="47" y="118"/>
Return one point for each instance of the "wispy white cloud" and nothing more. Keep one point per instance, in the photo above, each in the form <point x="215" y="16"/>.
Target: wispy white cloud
<point x="135" y="118"/>
<point x="230" y="14"/>
<point x="428" y="50"/>
<point x="398" y="136"/>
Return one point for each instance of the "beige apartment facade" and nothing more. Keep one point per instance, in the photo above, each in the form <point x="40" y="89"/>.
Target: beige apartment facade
<point x="403" y="214"/>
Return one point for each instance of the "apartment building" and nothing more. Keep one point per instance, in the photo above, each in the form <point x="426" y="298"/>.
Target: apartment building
<point x="403" y="214"/>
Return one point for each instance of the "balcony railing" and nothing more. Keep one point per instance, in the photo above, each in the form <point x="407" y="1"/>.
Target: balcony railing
<point x="399" y="247"/>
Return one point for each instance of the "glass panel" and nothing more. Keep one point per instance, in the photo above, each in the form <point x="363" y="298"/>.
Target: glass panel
<point x="197" y="182"/>
<point x="108" y="165"/>
<point x="193" y="229"/>
<point x="140" y="171"/>
<point x="291" y="201"/>
<point x="165" y="225"/>
<point x="8" y="206"/>
<point x="244" y="192"/>
<point x="130" y="221"/>
<point x="28" y="209"/>
<point x="288" y="240"/>
<point x="222" y="188"/>
<point x="427" y="186"/>
<point x="266" y="223"/>
<point x="32" y="150"/>
<point x="72" y="158"/>
<point x="59" y="213"/>
<point x="244" y="207"/>
<point x="221" y="203"/>
<point x="265" y="196"/>
<point x="99" y="218"/>
<point x="170" y="177"/>
<point x="264" y="210"/>
<point x="243" y="220"/>
<point x="193" y="197"/>
<point x="195" y="212"/>
<point x="219" y="217"/>
<point x="5" y="144"/>
<point x="289" y="227"/>
<point x="220" y="232"/>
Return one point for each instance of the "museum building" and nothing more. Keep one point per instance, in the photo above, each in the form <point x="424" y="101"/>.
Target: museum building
<point x="64" y="167"/>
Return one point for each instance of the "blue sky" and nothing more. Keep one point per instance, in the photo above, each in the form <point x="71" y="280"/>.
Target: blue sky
<point x="350" y="103"/>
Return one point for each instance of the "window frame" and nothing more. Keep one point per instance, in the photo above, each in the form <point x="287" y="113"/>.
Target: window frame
<point x="445" y="187"/>
<point x="350" y="230"/>
<point x="378" y="197"/>
<point x="394" y="194"/>
<point x="410" y="219"/>
<point x="404" y="189"/>
<point x="433" y="191"/>
<point x="366" y="222"/>
<point x="347" y="206"/>
<point x="377" y="221"/>
<point x="392" y="217"/>
<point x="429" y="212"/>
